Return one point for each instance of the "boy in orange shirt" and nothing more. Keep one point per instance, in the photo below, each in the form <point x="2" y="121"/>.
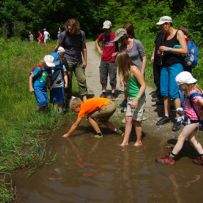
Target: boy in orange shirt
<point x="100" y="109"/>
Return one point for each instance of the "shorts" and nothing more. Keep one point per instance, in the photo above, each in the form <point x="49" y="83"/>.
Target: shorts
<point x="57" y="96"/>
<point x="138" y="112"/>
<point x="168" y="85"/>
<point x="41" y="96"/>
<point x="108" y="68"/>
<point x="105" y="113"/>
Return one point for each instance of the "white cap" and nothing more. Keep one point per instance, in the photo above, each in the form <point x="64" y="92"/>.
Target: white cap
<point x="164" y="19"/>
<point x="49" y="60"/>
<point x="185" y="77"/>
<point x="107" y="24"/>
<point x="120" y="33"/>
<point x="61" y="50"/>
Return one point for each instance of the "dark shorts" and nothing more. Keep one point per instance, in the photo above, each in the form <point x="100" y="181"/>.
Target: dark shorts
<point x="108" y="68"/>
<point x="57" y="96"/>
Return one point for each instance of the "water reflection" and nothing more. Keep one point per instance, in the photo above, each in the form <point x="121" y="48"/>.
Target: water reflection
<point x="98" y="170"/>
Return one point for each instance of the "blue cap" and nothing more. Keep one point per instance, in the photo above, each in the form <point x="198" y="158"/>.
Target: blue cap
<point x="56" y="58"/>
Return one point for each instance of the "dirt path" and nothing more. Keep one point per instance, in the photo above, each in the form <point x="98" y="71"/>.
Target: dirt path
<point x="151" y="114"/>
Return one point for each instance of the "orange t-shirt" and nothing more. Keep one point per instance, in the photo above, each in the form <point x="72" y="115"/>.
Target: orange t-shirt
<point x="91" y="105"/>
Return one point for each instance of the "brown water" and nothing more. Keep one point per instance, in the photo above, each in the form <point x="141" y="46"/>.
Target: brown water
<point x="93" y="170"/>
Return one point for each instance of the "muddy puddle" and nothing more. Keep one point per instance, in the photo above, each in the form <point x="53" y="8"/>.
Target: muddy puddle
<point x="93" y="170"/>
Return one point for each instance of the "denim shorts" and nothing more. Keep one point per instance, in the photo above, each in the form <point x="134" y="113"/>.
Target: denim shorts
<point x="108" y="68"/>
<point x="168" y="85"/>
<point x="41" y="96"/>
<point x="57" y="96"/>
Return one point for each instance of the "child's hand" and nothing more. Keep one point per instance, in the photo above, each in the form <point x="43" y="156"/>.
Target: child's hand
<point x="134" y="103"/>
<point x="65" y="135"/>
<point x="31" y="89"/>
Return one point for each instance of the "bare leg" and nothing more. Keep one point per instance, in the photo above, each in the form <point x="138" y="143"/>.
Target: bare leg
<point x="94" y="125"/>
<point x="128" y="128"/>
<point x="177" y="104"/>
<point x="196" y="144"/>
<point x="110" y="125"/>
<point x="138" y="130"/>
<point x="166" y="106"/>
<point x="186" y="132"/>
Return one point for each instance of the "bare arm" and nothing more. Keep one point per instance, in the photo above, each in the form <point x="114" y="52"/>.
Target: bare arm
<point x="140" y="78"/>
<point x="31" y="83"/>
<point x="144" y="60"/>
<point x="152" y="56"/>
<point x="98" y="47"/>
<point x="65" y="80"/>
<point x="72" y="128"/>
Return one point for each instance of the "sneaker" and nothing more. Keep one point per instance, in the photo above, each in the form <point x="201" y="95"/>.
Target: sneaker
<point x="119" y="132"/>
<point x="166" y="160"/>
<point x="103" y="94"/>
<point x="98" y="136"/>
<point x="198" y="161"/>
<point x="163" y="120"/>
<point x="176" y="126"/>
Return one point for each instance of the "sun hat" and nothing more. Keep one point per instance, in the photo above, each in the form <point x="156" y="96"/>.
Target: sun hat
<point x="56" y="58"/>
<point x="120" y="33"/>
<point x="61" y="50"/>
<point x="49" y="60"/>
<point x="185" y="77"/>
<point x="164" y="19"/>
<point x="107" y="24"/>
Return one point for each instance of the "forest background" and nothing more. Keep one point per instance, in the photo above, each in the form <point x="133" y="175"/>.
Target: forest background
<point x="21" y="128"/>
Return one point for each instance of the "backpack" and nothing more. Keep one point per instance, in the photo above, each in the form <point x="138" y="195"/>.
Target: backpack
<point x="39" y="73"/>
<point x="191" y="59"/>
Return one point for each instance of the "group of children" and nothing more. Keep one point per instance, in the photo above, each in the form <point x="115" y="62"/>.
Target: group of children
<point x="101" y="109"/>
<point x="51" y="73"/>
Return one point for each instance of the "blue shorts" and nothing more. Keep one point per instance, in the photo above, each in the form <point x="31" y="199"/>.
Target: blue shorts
<point x="41" y="96"/>
<point x="168" y="85"/>
<point x="57" y="96"/>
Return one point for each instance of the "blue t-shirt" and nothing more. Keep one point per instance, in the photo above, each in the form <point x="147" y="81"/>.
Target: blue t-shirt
<point x="41" y="78"/>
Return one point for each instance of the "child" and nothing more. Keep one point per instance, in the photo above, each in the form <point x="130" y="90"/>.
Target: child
<point x="194" y="117"/>
<point x="38" y="82"/>
<point x="95" y="108"/>
<point x="135" y="87"/>
<point x="59" y="81"/>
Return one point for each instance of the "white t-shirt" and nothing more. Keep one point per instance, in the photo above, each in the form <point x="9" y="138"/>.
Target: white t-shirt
<point x="46" y="35"/>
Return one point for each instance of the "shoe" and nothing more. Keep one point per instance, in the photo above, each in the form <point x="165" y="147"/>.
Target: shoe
<point x="166" y="160"/>
<point x="98" y="136"/>
<point x="198" y="161"/>
<point x="176" y="126"/>
<point x="163" y="120"/>
<point x="113" y="96"/>
<point x="103" y="94"/>
<point x="119" y="132"/>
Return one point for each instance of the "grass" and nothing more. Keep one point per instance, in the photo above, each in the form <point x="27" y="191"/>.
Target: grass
<point x="23" y="131"/>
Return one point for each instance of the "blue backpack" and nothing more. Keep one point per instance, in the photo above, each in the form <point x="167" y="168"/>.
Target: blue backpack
<point x="191" y="59"/>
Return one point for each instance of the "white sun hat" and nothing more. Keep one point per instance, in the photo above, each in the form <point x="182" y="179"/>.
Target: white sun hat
<point x="185" y="77"/>
<point x="49" y="60"/>
<point x="107" y="24"/>
<point x="164" y="19"/>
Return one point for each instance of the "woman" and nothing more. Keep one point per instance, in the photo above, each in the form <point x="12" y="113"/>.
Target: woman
<point x="125" y="36"/>
<point x="171" y="67"/>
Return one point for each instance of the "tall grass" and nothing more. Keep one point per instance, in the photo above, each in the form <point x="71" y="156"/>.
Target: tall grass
<point x="20" y="125"/>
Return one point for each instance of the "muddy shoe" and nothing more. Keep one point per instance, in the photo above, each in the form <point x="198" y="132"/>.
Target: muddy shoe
<point x="163" y="121"/>
<point x="198" y="160"/>
<point x="166" y="160"/>
<point x="119" y="132"/>
<point x="176" y="126"/>
<point x="98" y="135"/>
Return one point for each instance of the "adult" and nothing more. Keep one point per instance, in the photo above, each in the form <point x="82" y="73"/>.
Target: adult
<point x="73" y="40"/>
<point x="133" y="47"/>
<point x="171" y="67"/>
<point x="106" y="47"/>
<point x="156" y="60"/>
<point x="46" y="35"/>
<point x="40" y="37"/>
